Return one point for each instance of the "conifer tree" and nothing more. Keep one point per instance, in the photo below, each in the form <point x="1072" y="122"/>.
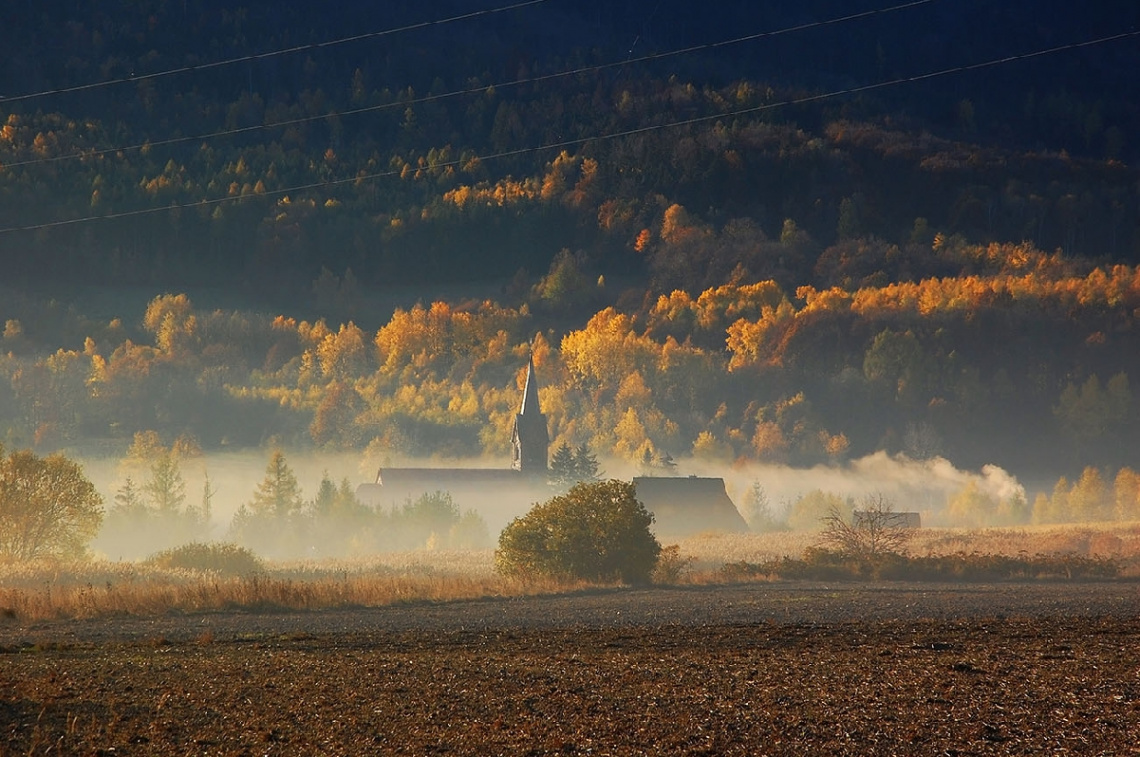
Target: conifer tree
<point x="166" y="490"/>
<point x="586" y="464"/>
<point x="563" y="467"/>
<point x="278" y="494"/>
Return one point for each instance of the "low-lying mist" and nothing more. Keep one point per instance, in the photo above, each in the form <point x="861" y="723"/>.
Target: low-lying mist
<point x="943" y="494"/>
<point x="233" y="479"/>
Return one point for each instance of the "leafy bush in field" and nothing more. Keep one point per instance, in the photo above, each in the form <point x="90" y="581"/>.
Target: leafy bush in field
<point x="227" y="559"/>
<point x="825" y="565"/>
<point x="597" y="531"/>
<point x="671" y="565"/>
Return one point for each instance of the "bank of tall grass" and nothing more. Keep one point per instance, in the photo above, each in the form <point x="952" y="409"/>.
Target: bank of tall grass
<point x="195" y="580"/>
<point x="1119" y="542"/>
<point x="100" y="589"/>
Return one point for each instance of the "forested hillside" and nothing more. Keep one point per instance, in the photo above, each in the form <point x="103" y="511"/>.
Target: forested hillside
<point x="772" y="250"/>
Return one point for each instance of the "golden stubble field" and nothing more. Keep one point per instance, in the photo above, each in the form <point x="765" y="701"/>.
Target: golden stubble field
<point x="470" y="666"/>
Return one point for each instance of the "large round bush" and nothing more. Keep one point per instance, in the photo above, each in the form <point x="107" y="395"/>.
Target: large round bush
<point x="224" y="559"/>
<point x="597" y="531"/>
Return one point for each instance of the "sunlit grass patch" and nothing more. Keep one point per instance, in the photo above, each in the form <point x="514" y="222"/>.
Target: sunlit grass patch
<point x="1115" y="542"/>
<point x="41" y="591"/>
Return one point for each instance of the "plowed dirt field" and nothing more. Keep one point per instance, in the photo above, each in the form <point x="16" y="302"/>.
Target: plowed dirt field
<point x="755" y="669"/>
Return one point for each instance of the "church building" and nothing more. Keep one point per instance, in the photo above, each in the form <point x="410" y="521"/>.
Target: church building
<point x="681" y="505"/>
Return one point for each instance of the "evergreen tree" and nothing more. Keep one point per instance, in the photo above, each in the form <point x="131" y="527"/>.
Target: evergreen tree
<point x="563" y="467"/>
<point x="128" y="499"/>
<point x="347" y="504"/>
<point x="166" y="490"/>
<point x="206" y="510"/>
<point x="586" y="465"/>
<point x="758" y="510"/>
<point x="270" y="523"/>
<point x="325" y="502"/>
<point x="645" y="467"/>
<point x="278" y="495"/>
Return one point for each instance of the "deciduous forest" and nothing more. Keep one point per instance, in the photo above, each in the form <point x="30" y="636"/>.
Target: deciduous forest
<point x="760" y="252"/>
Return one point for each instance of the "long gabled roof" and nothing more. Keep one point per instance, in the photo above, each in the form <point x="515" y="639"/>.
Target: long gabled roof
<point x="688" y="505"/>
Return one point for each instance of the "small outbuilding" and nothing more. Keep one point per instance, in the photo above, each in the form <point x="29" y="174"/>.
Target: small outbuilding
<point x="867" y="518"/>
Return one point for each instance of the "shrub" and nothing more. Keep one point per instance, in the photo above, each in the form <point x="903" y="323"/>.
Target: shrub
<point x="671" y="566"/>
<point x="426" y="520"/>
<point x="596" y="532"/>
<point x="469" y="532"/>
<point x="226" y="559"/>
<point x="878" y="531"/>
<point x="810" y="511"/>
<point x="826" y="565"/>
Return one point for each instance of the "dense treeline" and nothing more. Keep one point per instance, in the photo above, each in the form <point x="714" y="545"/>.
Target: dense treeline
<point x="946" y="269"/>
<point x="418" y="203"/>
<point x="1027" y="362"/>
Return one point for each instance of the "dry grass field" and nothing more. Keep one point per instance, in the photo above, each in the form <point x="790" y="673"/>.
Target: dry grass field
<point x="1118" y="541"/>
<point x="44" y="591"/>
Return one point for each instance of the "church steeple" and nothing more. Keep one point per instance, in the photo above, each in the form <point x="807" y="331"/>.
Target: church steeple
<point x="530" y="440"/>
<point x="530" y="392"/>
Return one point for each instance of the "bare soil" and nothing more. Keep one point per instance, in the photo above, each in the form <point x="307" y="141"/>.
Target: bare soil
<point x="751" y="669"/>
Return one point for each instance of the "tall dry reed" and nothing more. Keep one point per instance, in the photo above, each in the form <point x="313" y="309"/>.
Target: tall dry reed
<point x="95" y="589"/>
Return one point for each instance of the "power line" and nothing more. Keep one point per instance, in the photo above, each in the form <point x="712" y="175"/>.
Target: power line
<point x="597" y="138"/>
<point x="270" y="54"/>
<point x="470" y="90"/>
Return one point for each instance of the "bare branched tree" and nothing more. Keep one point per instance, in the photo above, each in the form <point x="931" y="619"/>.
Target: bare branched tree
<point x="875" y="529"/>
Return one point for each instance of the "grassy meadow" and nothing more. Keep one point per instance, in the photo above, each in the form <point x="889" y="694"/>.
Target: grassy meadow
<point x="96" y="589"/>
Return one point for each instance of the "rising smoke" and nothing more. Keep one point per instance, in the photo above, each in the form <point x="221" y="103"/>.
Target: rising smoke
<point x="924" y="486"/>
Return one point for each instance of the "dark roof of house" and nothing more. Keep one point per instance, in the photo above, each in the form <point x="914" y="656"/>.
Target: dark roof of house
<point x="688" y="505"/>
<point x="485" y="489"/>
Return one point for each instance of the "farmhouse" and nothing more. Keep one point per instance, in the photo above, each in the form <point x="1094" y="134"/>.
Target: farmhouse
<point x="873" y="518"/>
<point x="680" y="505"/>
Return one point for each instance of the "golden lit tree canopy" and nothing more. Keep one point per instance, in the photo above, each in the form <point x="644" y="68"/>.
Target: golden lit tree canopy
<point x="48" y="508"/>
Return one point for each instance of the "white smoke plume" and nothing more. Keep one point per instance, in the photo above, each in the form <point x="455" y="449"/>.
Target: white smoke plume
<point x="924" y="486"/>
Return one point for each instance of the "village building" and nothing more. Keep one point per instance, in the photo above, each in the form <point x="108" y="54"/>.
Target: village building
<point x="680" y="505"/>
<point x="868" y="519"/>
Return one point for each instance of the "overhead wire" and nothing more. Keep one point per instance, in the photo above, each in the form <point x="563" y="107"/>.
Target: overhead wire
<point x="134" y="78"/>
<point x="595" y="138"/>
<point x="562" y="144"/>
<point x="538" y="79"/>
